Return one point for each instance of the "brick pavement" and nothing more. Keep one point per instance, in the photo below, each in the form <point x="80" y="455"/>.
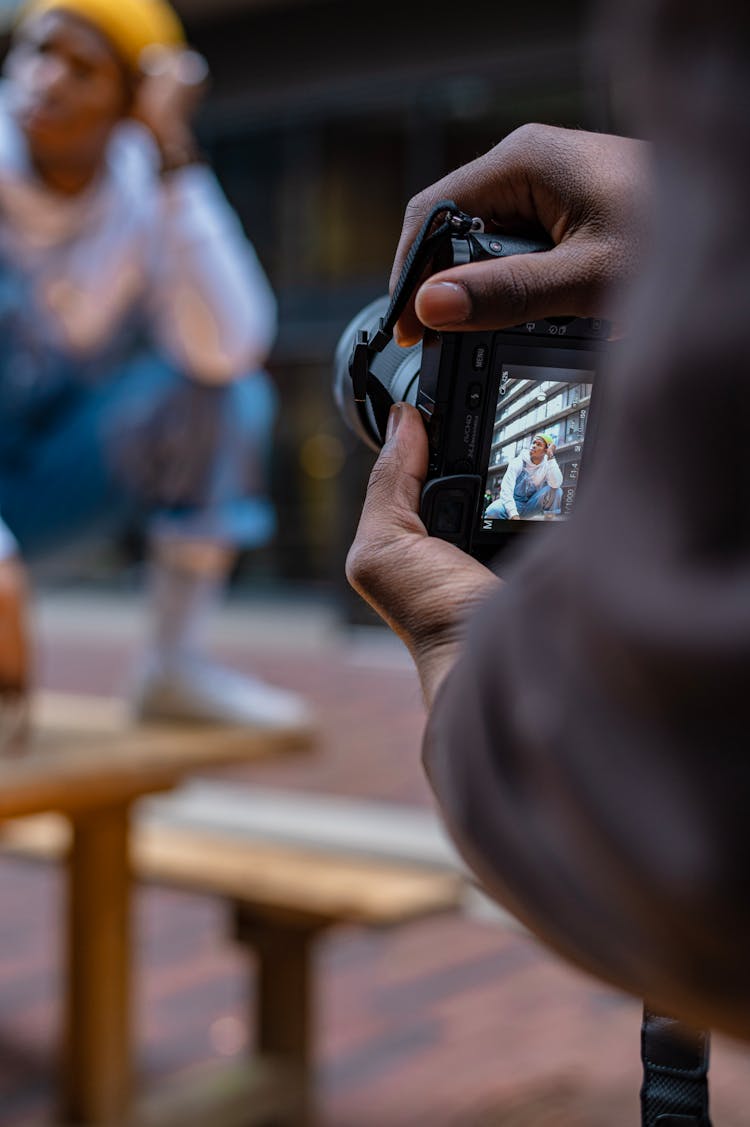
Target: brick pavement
<point x="447" y="1023"/>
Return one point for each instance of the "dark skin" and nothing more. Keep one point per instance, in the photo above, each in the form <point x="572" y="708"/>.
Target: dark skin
<point x="587" y="190"/>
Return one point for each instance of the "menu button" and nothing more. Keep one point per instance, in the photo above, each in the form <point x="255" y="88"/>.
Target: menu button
<point x="480" y="357"/>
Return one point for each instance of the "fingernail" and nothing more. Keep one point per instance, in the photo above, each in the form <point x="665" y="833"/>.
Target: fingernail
<point x="443" y="303"/>
<point x="402" y="339"/>
<point x="394" y="418"/>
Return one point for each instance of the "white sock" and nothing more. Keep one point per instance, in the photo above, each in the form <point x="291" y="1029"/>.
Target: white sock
<point x="181" y="605"/>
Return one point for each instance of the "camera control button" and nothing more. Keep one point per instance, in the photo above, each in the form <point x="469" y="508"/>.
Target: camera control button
<point x="479" y="359"/>
<point x="474" y="396"/>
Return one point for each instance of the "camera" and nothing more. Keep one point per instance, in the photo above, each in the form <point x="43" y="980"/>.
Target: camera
<point x="508" y="412"/>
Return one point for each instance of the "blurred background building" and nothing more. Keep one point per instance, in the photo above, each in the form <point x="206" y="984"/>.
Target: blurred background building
<point x="324" y="117"/>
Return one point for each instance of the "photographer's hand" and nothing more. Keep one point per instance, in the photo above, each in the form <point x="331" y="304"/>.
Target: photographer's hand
<point x="588" y="191"/>
<point x="424" y="588"/>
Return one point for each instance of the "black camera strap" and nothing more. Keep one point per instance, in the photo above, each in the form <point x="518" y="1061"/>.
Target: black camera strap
<point x="675" y="1073"/>
<point x="445" y="221"/>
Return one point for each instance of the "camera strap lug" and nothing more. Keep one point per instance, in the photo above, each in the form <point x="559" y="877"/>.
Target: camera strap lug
<point x="359" y="367"/>
<point x="463" y="224"/>
<point x="422" y="251"/>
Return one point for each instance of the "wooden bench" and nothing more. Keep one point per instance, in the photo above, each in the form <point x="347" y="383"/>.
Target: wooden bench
<point x="86" y="762"/>
<point x="281" y="899"/>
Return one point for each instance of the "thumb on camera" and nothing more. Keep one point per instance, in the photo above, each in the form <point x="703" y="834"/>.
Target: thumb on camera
<point x="501" y="292"/>
<point x="398" y="476"/>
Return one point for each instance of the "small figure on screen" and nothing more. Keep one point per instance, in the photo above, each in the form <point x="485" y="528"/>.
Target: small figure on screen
<point x="532" y="485"/>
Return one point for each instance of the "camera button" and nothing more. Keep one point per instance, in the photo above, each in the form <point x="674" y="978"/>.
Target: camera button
<point x="479" y="359"/>
<point x="474" y="396"/>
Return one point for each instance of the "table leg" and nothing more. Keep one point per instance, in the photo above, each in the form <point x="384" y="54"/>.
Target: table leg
<point x="284" y="995"/>
<point x="97" y="1059"/>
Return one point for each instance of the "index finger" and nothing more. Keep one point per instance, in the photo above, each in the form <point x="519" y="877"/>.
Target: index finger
<point x="506" y="187"/>
<point x="468" y="193"/>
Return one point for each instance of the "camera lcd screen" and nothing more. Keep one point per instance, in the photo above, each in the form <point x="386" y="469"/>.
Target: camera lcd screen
<point x="537" y="444"/>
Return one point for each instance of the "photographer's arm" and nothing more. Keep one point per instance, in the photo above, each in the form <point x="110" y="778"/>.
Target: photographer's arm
<point x="587" y="739"/>
<point x="585" y="732"/>
<point x="588" y="191"/>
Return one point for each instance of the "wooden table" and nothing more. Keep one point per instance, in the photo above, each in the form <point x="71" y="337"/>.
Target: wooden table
<point x="89" y="765"/>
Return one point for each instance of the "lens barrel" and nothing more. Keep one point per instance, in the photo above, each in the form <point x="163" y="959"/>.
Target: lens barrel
<point x="396" y="370"/>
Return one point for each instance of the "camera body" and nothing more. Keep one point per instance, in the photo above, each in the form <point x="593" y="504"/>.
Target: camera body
<point x="508" y="412"/>
<point x="485" y="397"/>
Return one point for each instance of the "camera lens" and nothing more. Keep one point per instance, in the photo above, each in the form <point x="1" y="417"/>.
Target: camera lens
<point x="395" y="369"/>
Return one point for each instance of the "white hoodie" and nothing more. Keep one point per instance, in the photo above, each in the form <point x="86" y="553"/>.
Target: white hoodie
<point x="546" y="473"/>
<point x="172" y="247"/>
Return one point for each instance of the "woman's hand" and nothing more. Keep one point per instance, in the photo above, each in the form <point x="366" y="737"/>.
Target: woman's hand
<point x="14" y="657"/>
<point x="424" y="588"/>
<point x="172" y="85"/>
<point x="589" y="191"/>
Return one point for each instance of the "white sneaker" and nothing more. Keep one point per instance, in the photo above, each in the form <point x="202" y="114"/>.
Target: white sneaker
<point x="200" y="692"/>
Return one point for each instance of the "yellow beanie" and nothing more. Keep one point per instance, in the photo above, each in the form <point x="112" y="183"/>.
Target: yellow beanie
<point x="130" y="25"/>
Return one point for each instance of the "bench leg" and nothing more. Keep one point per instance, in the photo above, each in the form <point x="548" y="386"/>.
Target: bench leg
<point x="284" y="994"/>
<point x="96" y="1057"/>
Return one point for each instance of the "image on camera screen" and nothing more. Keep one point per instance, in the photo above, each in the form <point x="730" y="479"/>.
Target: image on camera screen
<point x="537" y="444"/>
